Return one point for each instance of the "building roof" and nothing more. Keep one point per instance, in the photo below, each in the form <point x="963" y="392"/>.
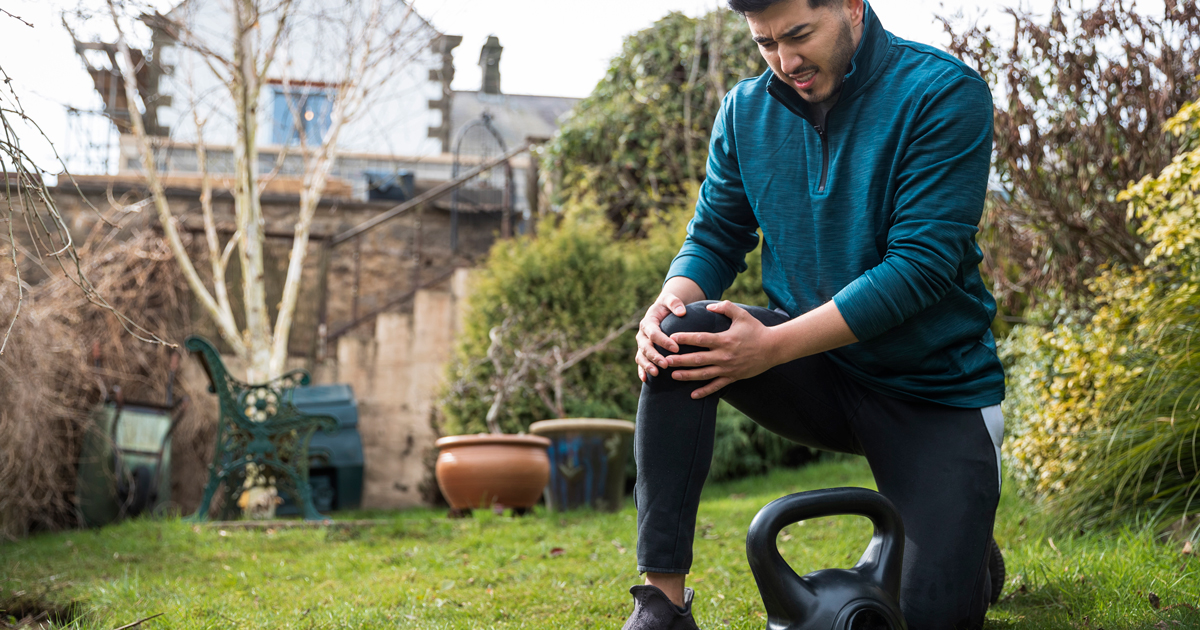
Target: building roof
<point x="515" y="116"/>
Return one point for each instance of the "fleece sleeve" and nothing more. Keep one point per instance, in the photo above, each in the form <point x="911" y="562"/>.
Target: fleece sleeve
<point x="724" y="228"/>
<point x="938" y="205"/>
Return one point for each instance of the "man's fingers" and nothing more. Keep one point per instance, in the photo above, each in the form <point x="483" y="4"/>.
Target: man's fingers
<point x="659" y="338"/>
<point x="653" y="356"/>
<point x="653" y="360"/>
<point x="676" y="306"/>
<point x="728" y="309"/>
<point x="698" y="339"/>
<point x="702" y="373"/>
<point x="712" y="387"/>
<point x="647" y="359"/>
<point x="694" y="359"/>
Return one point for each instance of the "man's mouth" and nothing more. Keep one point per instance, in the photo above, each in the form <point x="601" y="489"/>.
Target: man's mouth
<point x="804" y="80"/>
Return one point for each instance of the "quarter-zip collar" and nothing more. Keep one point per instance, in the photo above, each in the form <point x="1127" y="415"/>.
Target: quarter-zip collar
<point x="870" y="55"/>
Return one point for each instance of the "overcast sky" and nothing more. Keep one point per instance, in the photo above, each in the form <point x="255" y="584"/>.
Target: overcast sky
<point x="551" y="47"/>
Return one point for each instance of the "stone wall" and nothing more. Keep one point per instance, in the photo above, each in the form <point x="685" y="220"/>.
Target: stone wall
<point x="397" y="375"/>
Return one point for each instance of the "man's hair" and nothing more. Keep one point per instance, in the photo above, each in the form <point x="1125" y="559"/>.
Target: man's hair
<point x="755" y="6"/>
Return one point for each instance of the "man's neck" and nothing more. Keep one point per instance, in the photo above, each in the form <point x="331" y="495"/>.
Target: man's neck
<point x="821" y="108"/>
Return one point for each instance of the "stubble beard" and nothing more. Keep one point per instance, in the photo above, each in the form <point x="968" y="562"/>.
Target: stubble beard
<point x="839" y="64"/>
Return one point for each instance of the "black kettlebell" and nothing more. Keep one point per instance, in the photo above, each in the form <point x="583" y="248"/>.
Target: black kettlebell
<point x="865" y="597"/>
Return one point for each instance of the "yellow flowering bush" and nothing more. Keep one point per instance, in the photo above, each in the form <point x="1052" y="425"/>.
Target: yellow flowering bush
<point x="1167" y="204"/>
<point x="1083" y="374"/>
<point x="1060" y="380"/>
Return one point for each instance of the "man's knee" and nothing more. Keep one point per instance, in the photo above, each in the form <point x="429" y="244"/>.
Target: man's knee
<point x="698" y="319"/>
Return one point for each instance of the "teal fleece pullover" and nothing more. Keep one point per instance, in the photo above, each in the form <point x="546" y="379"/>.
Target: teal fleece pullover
<point x="877" y="210"/>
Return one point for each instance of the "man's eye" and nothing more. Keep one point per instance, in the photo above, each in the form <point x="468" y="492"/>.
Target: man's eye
<point x="800" y="38"/>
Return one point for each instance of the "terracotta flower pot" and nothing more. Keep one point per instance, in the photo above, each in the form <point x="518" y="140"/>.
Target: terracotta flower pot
<point x="478" y="471"/>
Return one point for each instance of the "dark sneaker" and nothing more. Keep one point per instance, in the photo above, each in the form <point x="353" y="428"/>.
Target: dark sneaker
<point x="653" y="610"/>
<point x="996" y="571"/>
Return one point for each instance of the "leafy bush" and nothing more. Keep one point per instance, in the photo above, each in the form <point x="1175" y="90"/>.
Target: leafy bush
<point x="574" y="281"/>
<point x="1060" y="380"/>
<point x="1148" y="464"/>
<point x="639" y="142"/>
<point x="1107" y="407"/>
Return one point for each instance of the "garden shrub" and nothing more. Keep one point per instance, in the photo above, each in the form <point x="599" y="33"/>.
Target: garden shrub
<point x="578" y="279"/>
<point x="639" y="142"/>
<point x="1147" y="465"/>
<point x="1144" y="460"/>
<point x="1106" y="405"/>
<point x="1081" y="94"/>
<point x="1059" y="380"/>
<point x="49" y="380"/>
<point x="574" y="279"/>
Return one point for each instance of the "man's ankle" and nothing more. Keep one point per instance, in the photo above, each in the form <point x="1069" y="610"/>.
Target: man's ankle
<point x="671" y="584"/>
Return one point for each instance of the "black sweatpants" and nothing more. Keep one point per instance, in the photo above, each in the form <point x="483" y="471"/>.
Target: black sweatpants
<point x="938" y="464"/>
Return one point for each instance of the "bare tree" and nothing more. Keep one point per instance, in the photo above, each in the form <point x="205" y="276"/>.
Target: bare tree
<point x="367" y="43"/>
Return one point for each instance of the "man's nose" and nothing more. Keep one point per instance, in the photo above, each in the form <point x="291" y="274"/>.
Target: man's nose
<point x="790" y="63"/>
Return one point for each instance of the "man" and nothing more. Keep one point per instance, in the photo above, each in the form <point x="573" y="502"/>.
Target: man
<point x="863" y="158"/>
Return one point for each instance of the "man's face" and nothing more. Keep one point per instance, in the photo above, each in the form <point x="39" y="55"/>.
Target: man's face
<point x="809" y="49"/>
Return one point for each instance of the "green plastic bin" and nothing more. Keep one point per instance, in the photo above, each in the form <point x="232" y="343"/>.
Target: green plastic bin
<point x="142" y="434"/>
<point x="336" y="471"/>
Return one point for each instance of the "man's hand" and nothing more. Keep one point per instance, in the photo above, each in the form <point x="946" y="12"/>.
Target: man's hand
<point x="746" y="350"/>
<point x="650" y="333"/>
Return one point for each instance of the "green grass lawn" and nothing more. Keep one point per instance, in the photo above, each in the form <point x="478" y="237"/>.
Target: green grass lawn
<point x="420" y="570"/>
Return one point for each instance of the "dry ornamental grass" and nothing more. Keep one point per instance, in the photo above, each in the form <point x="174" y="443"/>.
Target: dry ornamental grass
<point x="48" y="382"/>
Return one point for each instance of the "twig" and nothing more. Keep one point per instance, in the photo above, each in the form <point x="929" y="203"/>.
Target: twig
<point x="139" y="622"/>
<point x="17" y="18"/>
<point x="46" y="227"/>
<point x="599" y="345"/>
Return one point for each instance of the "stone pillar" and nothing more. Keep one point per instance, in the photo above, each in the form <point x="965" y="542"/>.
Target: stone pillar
<point x="397" y="378"/>
<point x="383" y="410"/>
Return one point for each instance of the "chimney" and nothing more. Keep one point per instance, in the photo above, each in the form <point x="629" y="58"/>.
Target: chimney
<point x="489" y="62"/>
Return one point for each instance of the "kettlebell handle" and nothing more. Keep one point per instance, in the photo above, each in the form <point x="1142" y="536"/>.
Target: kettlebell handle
<point x="881" y="562"/>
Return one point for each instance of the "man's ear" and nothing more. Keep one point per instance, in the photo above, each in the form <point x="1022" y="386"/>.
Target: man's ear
<point x="855" y="10"/>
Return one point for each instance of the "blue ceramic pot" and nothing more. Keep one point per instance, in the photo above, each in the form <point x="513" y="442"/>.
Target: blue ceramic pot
<point x="587" y="462"/>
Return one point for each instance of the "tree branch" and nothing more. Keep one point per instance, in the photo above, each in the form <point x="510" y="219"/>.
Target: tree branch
<point x="284" y="9"/>
<point x="17" y="18"/>
<point x="576" y="357"/>
<point x="220" y="287"/>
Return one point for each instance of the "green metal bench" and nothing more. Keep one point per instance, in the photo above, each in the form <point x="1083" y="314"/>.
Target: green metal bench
<point x="259" y="425"/>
